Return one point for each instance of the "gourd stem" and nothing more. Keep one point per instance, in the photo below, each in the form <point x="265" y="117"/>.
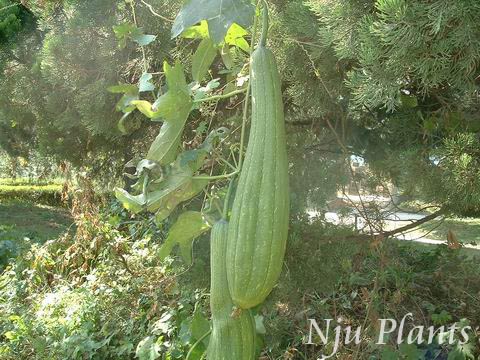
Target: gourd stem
<point x="247" y="95"/>
<point x="263" y="38"/>
<point x="222" y="96"/>
<point x="227" y="198"/>
<point x="216" y="177"/>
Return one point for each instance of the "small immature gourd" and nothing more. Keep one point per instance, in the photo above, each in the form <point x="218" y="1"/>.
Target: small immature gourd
<point x="233" y="334"/>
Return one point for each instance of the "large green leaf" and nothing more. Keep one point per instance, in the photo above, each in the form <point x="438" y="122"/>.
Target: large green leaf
<point x="174" y="108"/>
<point x="169" y="105"/>
<point x="200" y="325"/>
<point x="220" y="15"/>
<point x="165" y="146"/>
<point x="235" y="37"/>
<point x="203" y="59"/>
<point x="189" y="225"/>
<point x="175" y="77"/>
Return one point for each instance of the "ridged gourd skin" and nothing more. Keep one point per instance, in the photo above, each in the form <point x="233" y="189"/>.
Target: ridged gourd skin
<point x="232" y="337"/>
<point x="259" y="219"/>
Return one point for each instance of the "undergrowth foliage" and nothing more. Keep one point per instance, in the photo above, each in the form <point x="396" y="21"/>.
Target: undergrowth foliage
<point x="97" y="294"/>
<point x="105" y="294"/>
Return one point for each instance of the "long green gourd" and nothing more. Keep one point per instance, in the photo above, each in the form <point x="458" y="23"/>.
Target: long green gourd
<point x="259" y="219"/>
<point x="233" y="334"/>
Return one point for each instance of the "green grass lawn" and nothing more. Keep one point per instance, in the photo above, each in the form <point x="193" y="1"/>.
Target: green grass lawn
<point x="36" y="222"/>
<point x="466" y="230"/>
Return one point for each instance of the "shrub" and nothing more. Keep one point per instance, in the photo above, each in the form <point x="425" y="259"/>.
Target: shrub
<point x="39" y="194"/>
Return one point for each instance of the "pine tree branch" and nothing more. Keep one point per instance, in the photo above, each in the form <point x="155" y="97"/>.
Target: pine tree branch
<point x="8" y="7"/>
<point x="414" y="224"/>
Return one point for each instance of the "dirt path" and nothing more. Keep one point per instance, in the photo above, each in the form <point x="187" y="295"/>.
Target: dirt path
<point x="393" y="220"/>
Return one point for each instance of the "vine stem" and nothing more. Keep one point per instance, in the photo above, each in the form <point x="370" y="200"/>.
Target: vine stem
<point x="219" y="97"/>
<point x="247" y="96"/>
<point x="196" y="344"/>
<point x="227" y="199"/>
<point x="226" y="162"/>
<point x="263" y="38"/>
<point x="216" y="177"/>
<point x="144" y="54"/>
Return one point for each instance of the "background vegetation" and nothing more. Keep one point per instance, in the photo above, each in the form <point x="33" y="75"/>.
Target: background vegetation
<point x="391" y="82"/>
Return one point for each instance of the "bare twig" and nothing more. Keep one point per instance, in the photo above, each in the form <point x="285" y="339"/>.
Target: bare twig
<point x="362" y="212"/>
<point x="315" y="70"/>
<point x="152" y="10"/>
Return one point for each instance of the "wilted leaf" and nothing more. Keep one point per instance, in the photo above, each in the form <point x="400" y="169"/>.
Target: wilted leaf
<point x="170" y="201"/>
<point x="165" y="146"/>
<point x="189" y="225"/>
<point x="125" y="103"/>
<point x="122" y="123"/>
<point x="130" y="94"/>
<point x="128" y="124"/>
